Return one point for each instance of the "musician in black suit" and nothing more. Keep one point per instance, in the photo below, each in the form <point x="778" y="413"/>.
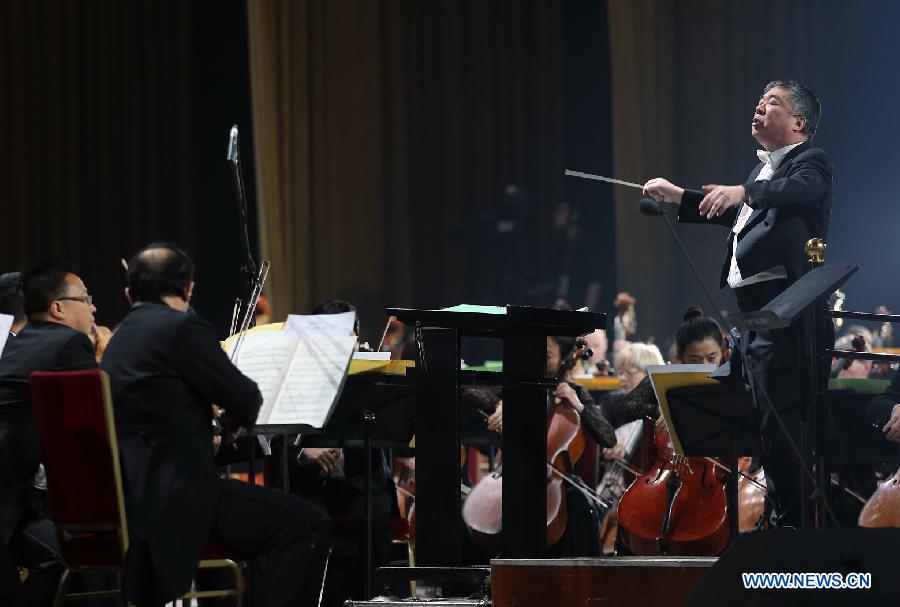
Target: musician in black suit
<point x="167" y="369"/>
<point x="60" y="317"/>
<point x="786" y="201"/>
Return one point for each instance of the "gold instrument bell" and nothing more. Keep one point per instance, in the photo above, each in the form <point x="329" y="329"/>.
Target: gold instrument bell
<point x="815" y="251"/>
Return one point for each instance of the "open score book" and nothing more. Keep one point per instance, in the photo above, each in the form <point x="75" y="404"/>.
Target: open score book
<point x="300" y="372"/>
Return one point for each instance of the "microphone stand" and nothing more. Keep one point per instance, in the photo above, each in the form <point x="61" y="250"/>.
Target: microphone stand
<point x="254" y="280"/>
<point x="234" y="161"/>
<point x="648" y="206"/>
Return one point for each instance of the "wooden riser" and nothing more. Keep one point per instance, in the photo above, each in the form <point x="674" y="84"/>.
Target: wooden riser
<point x="657" y="581"/>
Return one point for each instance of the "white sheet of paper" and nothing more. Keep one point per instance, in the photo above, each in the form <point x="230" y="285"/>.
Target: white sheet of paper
<point x="264" y="358"/>
<point x="313" y="381"/>
<point x="314" y="325"/>
<point x="6" y="322"/>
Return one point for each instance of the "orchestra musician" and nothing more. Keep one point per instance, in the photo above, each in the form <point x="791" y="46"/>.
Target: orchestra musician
<point x="631" y="363"/>
<point x="785" y="202"/>
<point x="582" y="533"/>
<point x="60" y="315"/>
<point x="167" y="369"/>
<point x="698" y="341"/>
<point x="592" y="416"/>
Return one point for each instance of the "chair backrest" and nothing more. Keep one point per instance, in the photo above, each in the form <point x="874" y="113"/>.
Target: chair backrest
<point x="81" y="456"/>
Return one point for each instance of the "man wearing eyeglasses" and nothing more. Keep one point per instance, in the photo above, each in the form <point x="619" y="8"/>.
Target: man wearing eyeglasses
<point x="60" y="318"/>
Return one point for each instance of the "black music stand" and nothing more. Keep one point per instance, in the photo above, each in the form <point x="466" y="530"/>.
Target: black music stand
<point x="523" y="331"/>
<point x="717" y="420"/>
<point x="806" y="296"/>
<point x="374" y="411"/>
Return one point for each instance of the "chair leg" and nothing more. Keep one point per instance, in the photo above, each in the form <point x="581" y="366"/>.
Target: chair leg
<point x="62" y="588"/>
<point x="238" y="581"/>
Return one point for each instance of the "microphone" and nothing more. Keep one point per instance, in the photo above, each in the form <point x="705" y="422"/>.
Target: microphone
<point x="648" y="206"/>
<point x="232" y="155"/>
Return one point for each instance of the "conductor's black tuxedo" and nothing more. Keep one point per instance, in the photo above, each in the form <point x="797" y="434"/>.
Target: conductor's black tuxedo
<point x="791" y="207"/>
<point x="40" y="346"/>
<point x="166" y="369"/>
<point x="788" y="209"/>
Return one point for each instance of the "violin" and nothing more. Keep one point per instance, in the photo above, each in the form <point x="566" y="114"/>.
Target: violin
<point x="678" y="507"/>
<point x="482" y="511"/>
<point x="100" y="337"/>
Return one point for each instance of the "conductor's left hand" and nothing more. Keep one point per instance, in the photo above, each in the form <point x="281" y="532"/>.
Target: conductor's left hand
<point x="719" y="198"/>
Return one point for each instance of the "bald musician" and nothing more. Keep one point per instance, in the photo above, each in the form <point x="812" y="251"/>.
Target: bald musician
<point x="785" y="201"/>
<point x="166" y="369"/>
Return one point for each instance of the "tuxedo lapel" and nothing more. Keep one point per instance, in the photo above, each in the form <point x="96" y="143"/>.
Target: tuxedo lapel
<point x="781" y="171"/>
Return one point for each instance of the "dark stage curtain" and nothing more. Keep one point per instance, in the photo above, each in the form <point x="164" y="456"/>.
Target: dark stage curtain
<point x="385" y="133"/>
<point x="95" y="121"/>
<point x="685" y="79"/>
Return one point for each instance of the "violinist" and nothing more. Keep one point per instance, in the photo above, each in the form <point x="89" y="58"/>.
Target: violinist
<point x="60" y="315"/>
<point x="166" y="370"/>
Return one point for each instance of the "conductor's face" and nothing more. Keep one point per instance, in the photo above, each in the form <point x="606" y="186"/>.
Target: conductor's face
<point x="773" y="124"/>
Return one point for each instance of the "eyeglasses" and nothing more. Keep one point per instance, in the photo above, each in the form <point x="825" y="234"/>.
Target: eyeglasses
<point x="88" y="299"/>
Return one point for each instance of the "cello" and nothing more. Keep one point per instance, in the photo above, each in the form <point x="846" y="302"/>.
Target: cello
<point x="482" y="511"/>
<point x="678" y="507"/>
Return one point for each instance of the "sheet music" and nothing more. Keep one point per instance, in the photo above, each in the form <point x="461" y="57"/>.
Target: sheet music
<point x="264" y="358"/>
<point x="313" y="325"/>
<point x="667" y="377"/>
<point x="313" y="381"/>
<point x="6" y="322"/>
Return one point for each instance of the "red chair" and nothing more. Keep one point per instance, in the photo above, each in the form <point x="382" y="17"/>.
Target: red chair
<point x="77" y="431"/>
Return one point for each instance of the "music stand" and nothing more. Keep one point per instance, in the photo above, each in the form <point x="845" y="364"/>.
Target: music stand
<point x="808" y="293"/>
<point x="523" y="331"/>
<point x="375" y="411"/>
<point x="716" y="420"/>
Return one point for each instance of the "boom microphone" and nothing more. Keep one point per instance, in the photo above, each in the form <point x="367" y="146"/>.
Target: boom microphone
<point x="648" y="206"/>
<point x="233" y="145"/>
